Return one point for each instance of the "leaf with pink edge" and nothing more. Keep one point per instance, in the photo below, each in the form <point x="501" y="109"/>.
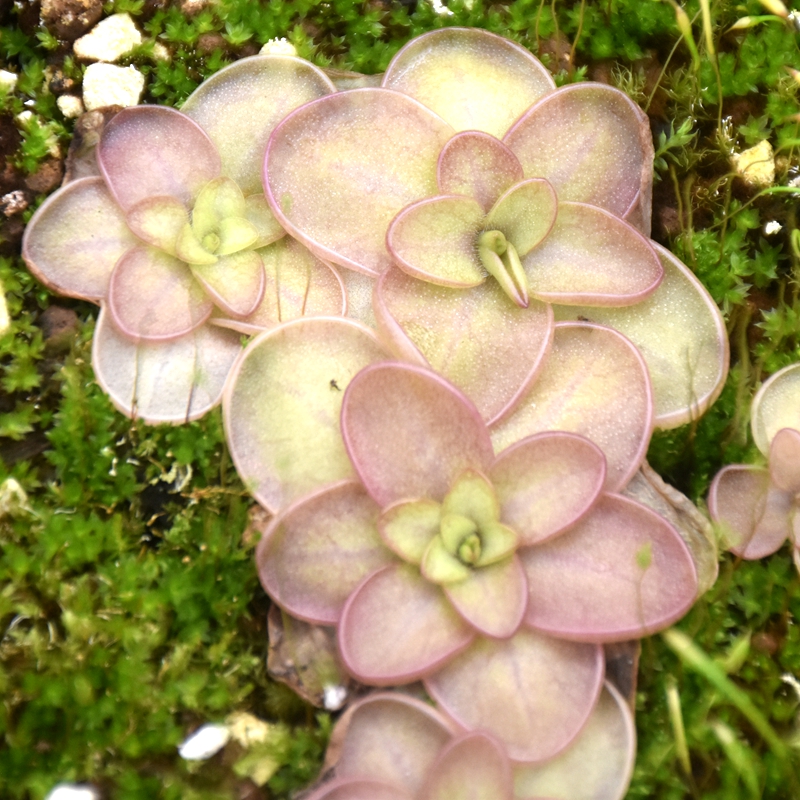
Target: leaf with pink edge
<point x="472" y="767"/>
<point x="396" y="628"/>
<point x="409" y="433"/>
<point x="175" y="381"/>
<point x="359" y="789"/>
<point x="592" y="258"/>
<point x="316" y="551"/>
<point x="531" y="692"/>
<point x="241" y="105"/>
<point x="493" y="598"/>
<point x="159" y="221"/>
<point x="472" y="78"/>
<point x="263" y="220"/>
<point x="326" y="157"/>
<point x="546" y="483"/>
<point x="477" y="165"/>
<point x="153" y="296"/>
<point x="755" y="515"/>
<point x="435" y="240"/>
<point x="472" y="496"/>
<point x="622" y="572"/>
<point x="591" y="142"/>
<point x="525" y="214"/>
<point x="75" y="239"/>
<point x="784" y="460"/>
<point x="594" y="383"/>
<point x="408" y="527"/>
<point x="283" y="403"/>
<point x="236" y="282"/>
<point x="597" y="766"/>
<point x="477" y="339"/>
<point x="775" y="406"/>
<point x="153" y="151"/>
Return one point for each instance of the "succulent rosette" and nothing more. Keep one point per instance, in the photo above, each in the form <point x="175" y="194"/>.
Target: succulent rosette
<point x="173" y="232"/>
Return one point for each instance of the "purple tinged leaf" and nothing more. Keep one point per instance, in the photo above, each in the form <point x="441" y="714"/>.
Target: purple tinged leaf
<point x="236" y="282"/>
<point x="263" y="220"/>
<point x="472" y="78"/>
<point x="546" y="483"/>
<point x="159" y="221"/>
<point x="525" y="214"/>
<point x="317" y="551"/>
<point x="153" y="296"/>
<point x="153" y="151"/>
<point x="396" y="628"/>
<point x="75" y="239"/>
<point x="410" y="434"/>
<point x="325" y="158"/>
<point x="408" y="527"/>
<point x="784" y="460"/>
<point x="359" y="789"/>
<point x="477" y="165"/>
<point x="532" y="692"/>
<point x="775" y="406"/>
<point x="622" y="572"/>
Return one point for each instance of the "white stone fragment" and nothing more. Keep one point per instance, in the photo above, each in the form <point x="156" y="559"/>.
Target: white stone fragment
<point x="13" y="499"/>
<point x="8" y="81"/>
<point x="108" y="85"/>
<point x="73" y="791"/>
<point x="4" y="324"/>
<point x="109" y="40"/>
<point x="772" y="227"/>
<point x="756" y="165"/>
<point x="334" y="697"/>
<point x="70" y="105"/>
<point x="160" y="53"/>
<point x="278" y="47"/>
<point x="441" y="9"/>
<point x="204" y="742"/>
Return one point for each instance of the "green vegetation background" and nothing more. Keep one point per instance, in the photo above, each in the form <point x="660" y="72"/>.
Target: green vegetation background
<point x="129" y="608"/>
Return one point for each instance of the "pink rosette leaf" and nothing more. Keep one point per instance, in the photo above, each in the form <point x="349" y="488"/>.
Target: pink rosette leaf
<point x="532" y="692"/>
<point x="396" y="628"/>
<point x="597" y="766"/>
<point x="435" y="240"/>
<point x="236" y="282"/>
<point x="593" y="383"/>
<point x="159" y="221"/>
<point x="408" y="527"/>
<point x="153" y="296"/>
<point x="241" y="105"/>
<point x="176" y="381"/>
<point x="486" y="345"/>
<point x="477" y="165"/>
<point x="283" y="402"/>
<point x="316" y="551"/>
<point x="776" y="405"/>
<point x="359" y="789"/>
<point x="472" y="767"/>
<point x="784" y="460"/>
<point x="525" y="214"/>
<point x="155" y="151"/>
<point x="75" y="239"/>
<point x="258" y="214"/>
<point x="324" y="159"/>
<point x="755" y="515"/>
<point x="410" y="434"/>
<point x="592" y="142"/>
<point x="472" y="78"/>
<point x="592" y="258"/>
<point x="621" y="573"/>
<point x="546" y="483"/>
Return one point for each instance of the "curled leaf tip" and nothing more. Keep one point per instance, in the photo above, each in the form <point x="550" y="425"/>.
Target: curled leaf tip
<point x="501" y="260"/>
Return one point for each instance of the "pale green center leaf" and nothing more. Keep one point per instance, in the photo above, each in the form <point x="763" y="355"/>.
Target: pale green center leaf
<point x="471" y="495"/>
<point x="190" y="249"/>
<point x="500" y="259"/>
<point x="440" y="566"/>
<point x="235" y="234"/>
<point x="218" y="200"/>
<point x="454" y="530"/>
<point x="498" y="541"/>
<point x="408" y="528"/>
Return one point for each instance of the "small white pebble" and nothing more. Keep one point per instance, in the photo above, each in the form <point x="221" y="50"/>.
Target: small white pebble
<point x="756" y="165"/>
<point x="108" y="85"/>
<point x="8" y="80"/>
<point x="334" y="697"/>
<point x="109" y="40"/>
<point x="204" y="742"/>
<point x="70" y="105"/>
<point x="160" y="53"/>
<point x="441" y="9"/>
<point x="278" y="47"/>
<point x="772" y="227"/>
<point x="73" y="791"/>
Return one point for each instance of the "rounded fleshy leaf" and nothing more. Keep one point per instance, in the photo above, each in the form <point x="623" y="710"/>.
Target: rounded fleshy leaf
<point x="359" y="289"/>
<point x="525" y="214"/>
<point x="235" y="283"/>
<point x="283" y="402"/>
<point x="359" y="789"/>
<point x="477" y="165"/>
<point x="153" y="151"/>
<point x="472" y="78"/>
<point x="597" y="766"/>
<point x="473" y="496"/>
<point x="591" y="257"/>
<point x="258" y="212"/>
<point x="590" y="141"/>
<point x="338" y="170"/>
<point x="316" y="551"/>
<point x="396" y="628"/>
<point x="472" y="767"/>
<point x="159" y="221"/>
<point x="217" y="200"/>
<point x="784" y="460"/>
<point x="546" y="483"/>
<point x="755" y="515"/>
<point x="622" y="572"/>
<point x="681" y="335"/>
<point x="408" y="527"/>
<point x="392" y="738"/>
<point x="517" y="689"/>
<point x="435" y="240"/>
<point x="493" y="598"/>
<point x="241" y="105"/>
<point x="775" y="406"/>
<point x="594" y="383"/>
<point x="75" y="239"/>
<point x="410" y="434"/>
<point x="153" y="296"/>
<point x="477" y="338"/>
<point x="176" y="381"/>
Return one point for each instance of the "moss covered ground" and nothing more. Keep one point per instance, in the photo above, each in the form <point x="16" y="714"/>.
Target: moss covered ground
<point x="129" y="608"/>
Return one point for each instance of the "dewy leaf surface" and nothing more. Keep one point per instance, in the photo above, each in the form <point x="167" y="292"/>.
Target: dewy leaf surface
<point x="784" y="460"/>
<point x="525" y="214"/>
<point x="236" y="282"/>
<point x="159" y="221"/>
<point x="408" y="527"/>
<point x="339" y="169"/>
<point x="593" y="383"/>
<point x="282" y="406"/>
<point x="775" y="406"/>
<point x="470" y="77"/>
